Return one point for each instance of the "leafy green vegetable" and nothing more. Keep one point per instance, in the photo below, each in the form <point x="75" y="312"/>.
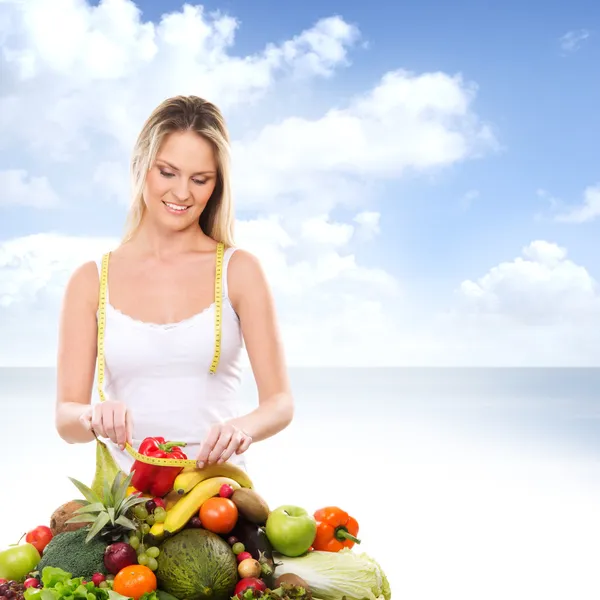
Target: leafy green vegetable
<point x="283" y="592"/>
<point x="60" y="585"/>
<point x="334" y="575"/>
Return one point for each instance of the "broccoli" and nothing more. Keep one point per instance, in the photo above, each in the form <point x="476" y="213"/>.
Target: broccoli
<point x="69" y="552"/>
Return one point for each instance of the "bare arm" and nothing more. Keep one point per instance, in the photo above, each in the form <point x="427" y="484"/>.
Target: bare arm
<point x="253" y="302"/>
<point x="77" y="354"/>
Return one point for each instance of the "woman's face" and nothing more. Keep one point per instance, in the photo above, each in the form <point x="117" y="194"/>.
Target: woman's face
<point x="181" y="181"/>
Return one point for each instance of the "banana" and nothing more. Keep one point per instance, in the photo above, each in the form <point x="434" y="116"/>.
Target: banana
<point x="190" y="477"/>
<point x="157" y="531"/>
<point x="190" y="504"/>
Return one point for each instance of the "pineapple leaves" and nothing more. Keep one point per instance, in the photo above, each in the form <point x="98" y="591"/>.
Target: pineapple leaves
<point x="126" y="522"/>
<point x="100" y="522"/>
<point x="107" y="515"/>
<point x="108" y="497"/>
<point x="87" y="492"/>
<point x="130" y="502"/>
<point x="81" y="519"/>
<point x="119" y="489"/>
<point x="90" y="508"/>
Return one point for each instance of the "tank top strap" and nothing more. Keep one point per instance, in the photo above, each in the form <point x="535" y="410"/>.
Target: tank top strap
<point x="226" y="257"/>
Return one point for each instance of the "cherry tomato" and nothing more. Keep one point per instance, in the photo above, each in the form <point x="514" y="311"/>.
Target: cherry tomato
<point x="218" y="515"/>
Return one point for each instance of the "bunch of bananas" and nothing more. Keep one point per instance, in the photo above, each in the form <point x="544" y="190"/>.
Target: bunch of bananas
<point x="192" y="488"/>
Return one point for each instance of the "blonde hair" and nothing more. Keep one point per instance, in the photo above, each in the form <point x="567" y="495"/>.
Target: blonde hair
<point x="185" y="113"/>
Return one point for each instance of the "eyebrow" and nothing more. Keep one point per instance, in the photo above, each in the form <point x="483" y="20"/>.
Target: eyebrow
<point x="166" y="162"/>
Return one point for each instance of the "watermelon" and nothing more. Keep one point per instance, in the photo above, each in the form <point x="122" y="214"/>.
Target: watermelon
<point x="196" y="564"/>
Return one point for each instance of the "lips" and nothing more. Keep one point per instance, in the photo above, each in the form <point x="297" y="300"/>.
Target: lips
<point x="176" y="208"/>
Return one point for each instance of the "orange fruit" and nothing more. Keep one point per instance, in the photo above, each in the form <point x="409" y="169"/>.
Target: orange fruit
<point x="218" y="515"/>
<point x="134" y="581"/>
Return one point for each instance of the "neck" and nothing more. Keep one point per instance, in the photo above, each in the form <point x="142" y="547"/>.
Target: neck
<point x="161" y="243"/>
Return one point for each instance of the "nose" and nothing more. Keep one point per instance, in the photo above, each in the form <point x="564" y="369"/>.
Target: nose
<point x="181" y="189"/>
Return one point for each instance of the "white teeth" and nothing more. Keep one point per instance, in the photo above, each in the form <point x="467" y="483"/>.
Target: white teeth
<point x="175" y="207"/>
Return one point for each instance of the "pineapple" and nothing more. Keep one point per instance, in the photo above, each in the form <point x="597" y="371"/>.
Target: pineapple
<point x="107" y="514"/>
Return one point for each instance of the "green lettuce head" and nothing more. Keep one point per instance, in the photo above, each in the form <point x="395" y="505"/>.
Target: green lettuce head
<point x="334" y="575"/>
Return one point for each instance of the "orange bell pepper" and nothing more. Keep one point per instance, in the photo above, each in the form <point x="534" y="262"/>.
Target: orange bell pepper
<point x="336" y="529"/>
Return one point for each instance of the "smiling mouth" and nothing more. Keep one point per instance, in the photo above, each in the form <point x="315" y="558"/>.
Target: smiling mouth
<point x="175" y="208"/>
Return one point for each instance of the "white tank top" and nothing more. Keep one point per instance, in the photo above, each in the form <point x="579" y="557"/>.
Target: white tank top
<point x="161" y="372"/>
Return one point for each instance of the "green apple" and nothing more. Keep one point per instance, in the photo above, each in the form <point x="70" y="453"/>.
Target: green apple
<point x="17" y="562"/>
<point x="291" y="530"/>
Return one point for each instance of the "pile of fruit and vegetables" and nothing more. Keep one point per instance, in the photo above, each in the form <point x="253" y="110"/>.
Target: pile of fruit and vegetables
<point x="167" y="533"/>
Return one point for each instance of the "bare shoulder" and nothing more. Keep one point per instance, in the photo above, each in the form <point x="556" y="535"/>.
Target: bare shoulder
<point x="246" y="277"/>
<point x="83" y="285"/>
<point x="245" y="264"/>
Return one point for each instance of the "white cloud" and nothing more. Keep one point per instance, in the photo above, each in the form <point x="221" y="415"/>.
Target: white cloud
<point x="369" y="220"/>
<point x="19" y="188"/>
<point x="538" y="309"/>
<point x="319" y="230"/>
<point x="589" y="210"/>
<point x="542" y="286"/>
<point x="105" y="68"/>
<point x="572" y="40"/>
<point x="407" y="122"/>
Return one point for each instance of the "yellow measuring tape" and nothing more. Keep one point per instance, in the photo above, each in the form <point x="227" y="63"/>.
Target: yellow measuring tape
<point x="159" y="462"/>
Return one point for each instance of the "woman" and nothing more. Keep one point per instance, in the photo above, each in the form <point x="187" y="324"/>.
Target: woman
<point x="170" y="353"/>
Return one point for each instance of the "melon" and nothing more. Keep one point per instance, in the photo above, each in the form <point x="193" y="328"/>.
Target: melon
<point x="196" y="564"/>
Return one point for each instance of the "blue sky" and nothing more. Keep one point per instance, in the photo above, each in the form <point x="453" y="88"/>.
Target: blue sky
<point x="452" y="222"/>
<point x="540" y="100"/>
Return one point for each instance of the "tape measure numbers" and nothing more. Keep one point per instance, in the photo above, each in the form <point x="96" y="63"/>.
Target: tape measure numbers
<point x="160" y="462"/>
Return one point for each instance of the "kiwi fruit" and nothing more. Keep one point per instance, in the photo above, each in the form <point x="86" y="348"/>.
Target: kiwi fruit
<point x="251" y="506"/>
<point x="291" y="579"/>
<point x="59" y="518"/>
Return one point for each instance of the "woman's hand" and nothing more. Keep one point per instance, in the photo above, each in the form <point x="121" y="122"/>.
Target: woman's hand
<point x="223" y="440"/>
<point x="109" y="419"/>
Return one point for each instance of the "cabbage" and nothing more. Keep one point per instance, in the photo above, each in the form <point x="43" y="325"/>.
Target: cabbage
<point x="334" y="575"/>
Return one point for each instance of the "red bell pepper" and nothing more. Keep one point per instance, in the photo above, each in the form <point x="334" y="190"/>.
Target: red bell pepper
<point x="155" y="480"/>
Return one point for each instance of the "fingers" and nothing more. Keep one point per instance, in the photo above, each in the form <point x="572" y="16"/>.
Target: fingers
<point x="234" y="444"/>
<point x="245" y="444"/>
<point x="111" y="420"/>
<point x="207" y="446"/>
<point x="118" y="433"/>
<point x="222" y="442"/>
<point x="98" y="421"/>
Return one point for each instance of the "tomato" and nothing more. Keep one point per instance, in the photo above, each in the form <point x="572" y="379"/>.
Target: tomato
<point x="134" y="581"/>
<point x="218" y="515"/>
<point x="39" y="537"/>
